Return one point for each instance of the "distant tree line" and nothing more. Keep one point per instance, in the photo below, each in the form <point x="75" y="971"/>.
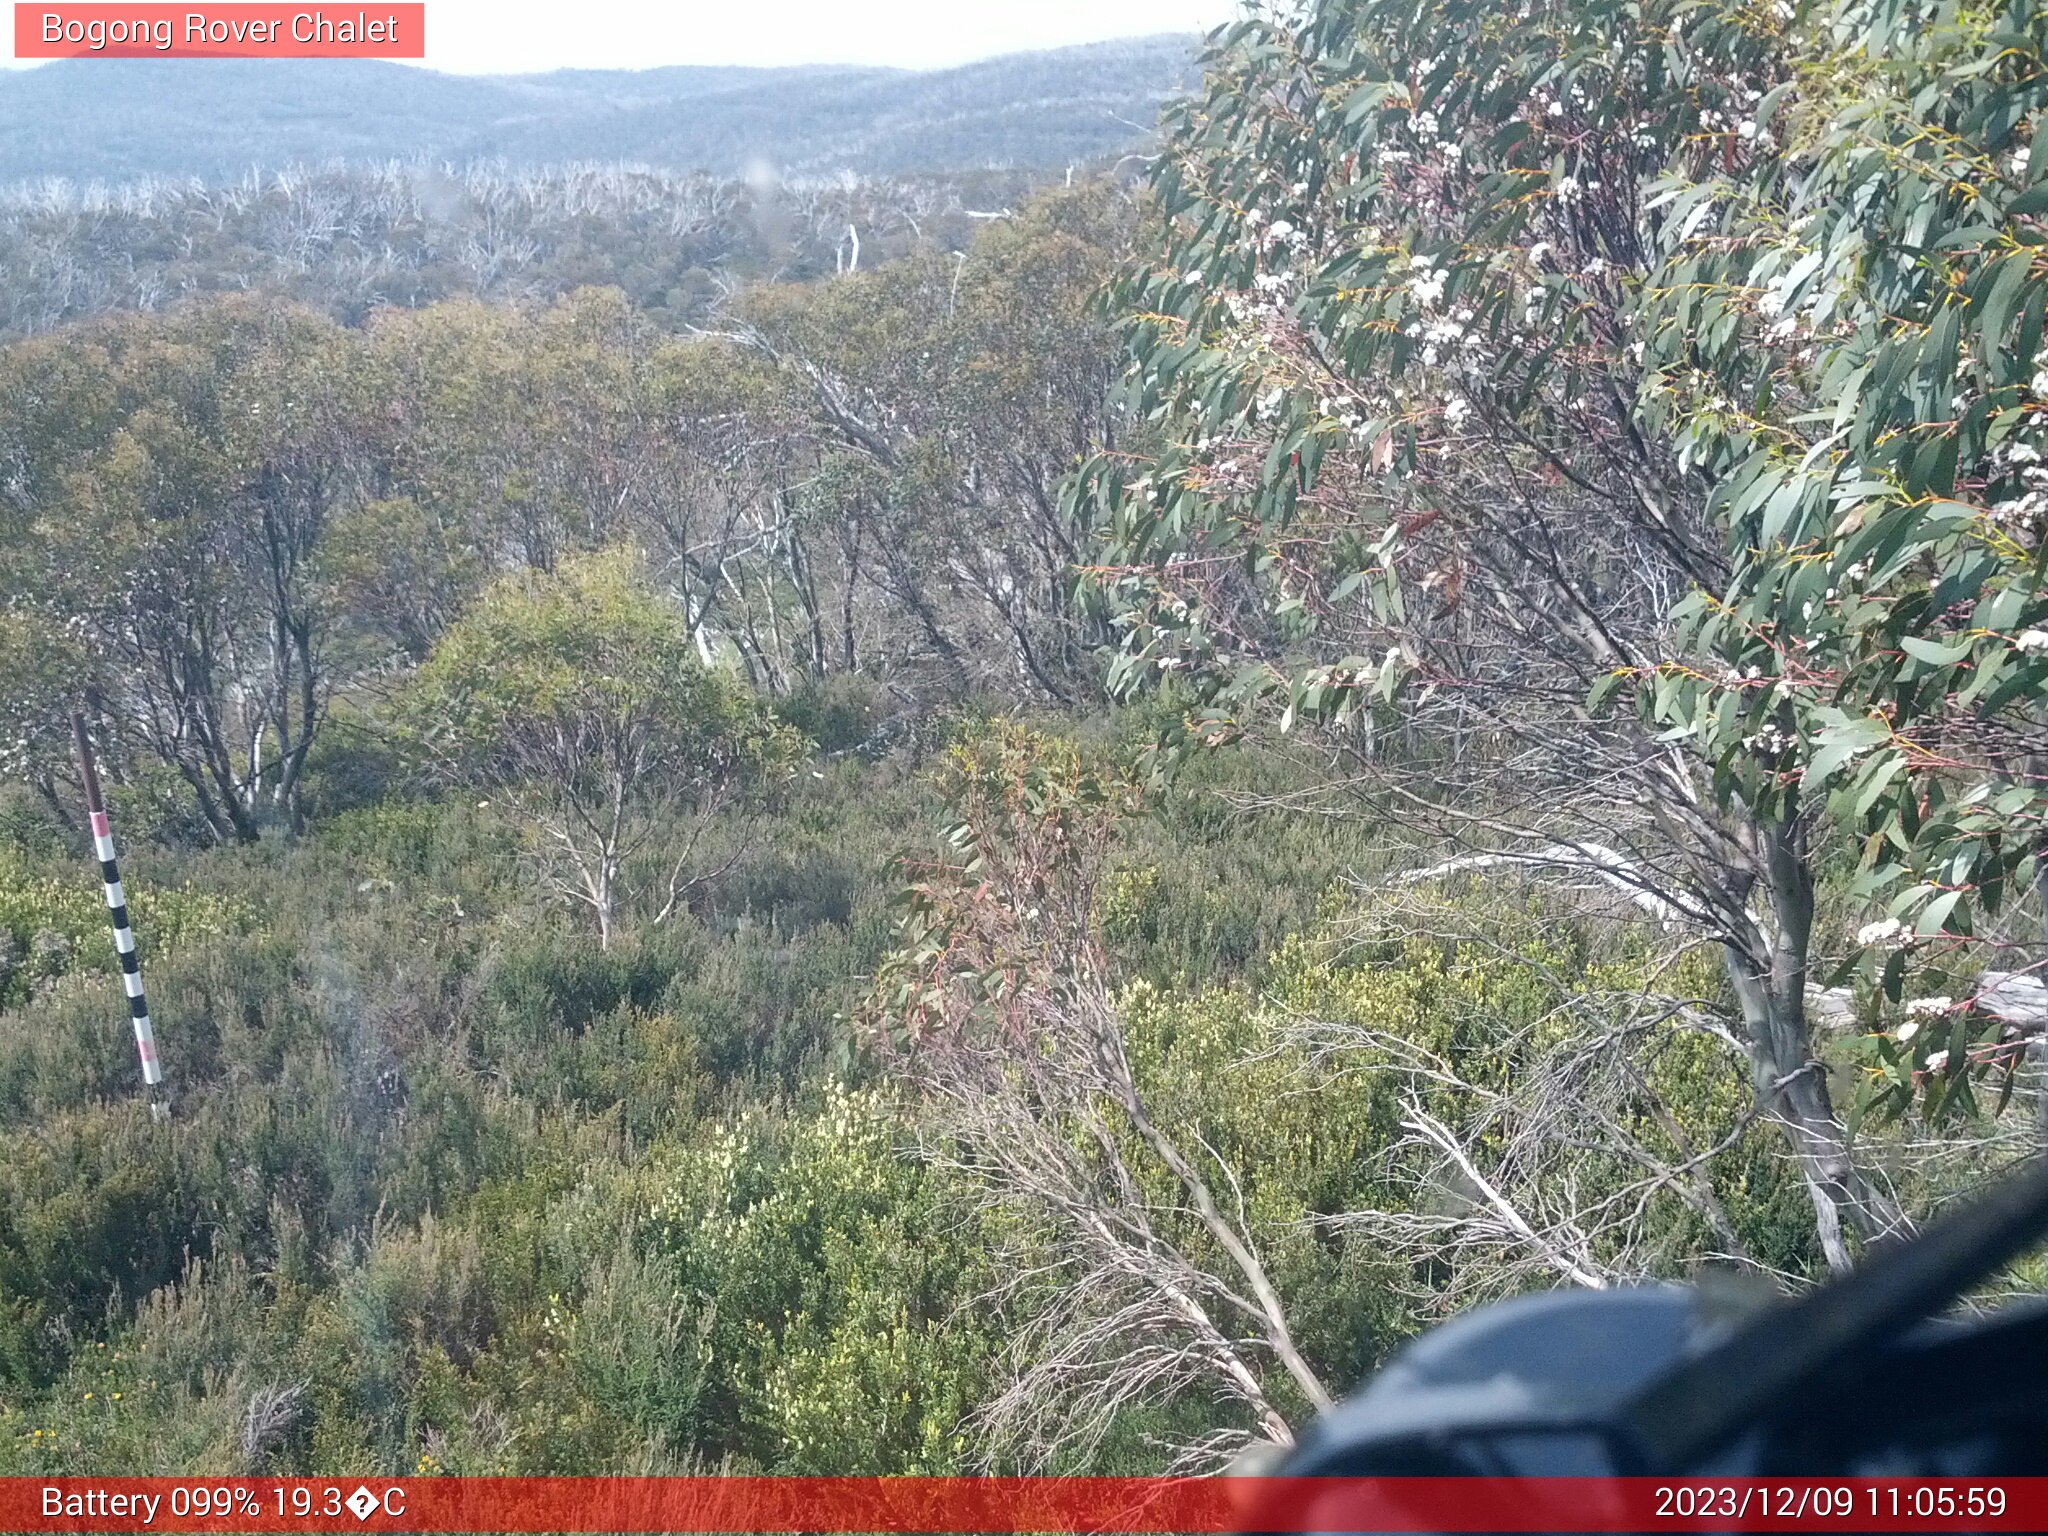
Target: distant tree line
<point x="348" y="239"/>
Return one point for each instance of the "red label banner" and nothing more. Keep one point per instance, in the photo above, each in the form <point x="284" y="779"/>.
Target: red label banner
<point x="1198" y="1506"/>
<point x="233" y="31"/>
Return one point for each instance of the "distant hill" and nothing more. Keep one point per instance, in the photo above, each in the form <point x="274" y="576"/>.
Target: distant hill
<point x="116" y="120"/>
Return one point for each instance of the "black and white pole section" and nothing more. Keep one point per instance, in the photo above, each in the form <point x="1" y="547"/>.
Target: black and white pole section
<point x="117" y="908"/>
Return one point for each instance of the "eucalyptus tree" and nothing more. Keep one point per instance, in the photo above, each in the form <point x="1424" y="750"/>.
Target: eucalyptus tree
<point x="948" y="394"/>
<point x="170" y="519"/>
<point x="1446" y="438"/>
<point x="49" y="674"/>
<point x="304" y="435"/>
<point x="1844" y="337"/>
<point x="578" y="697"/>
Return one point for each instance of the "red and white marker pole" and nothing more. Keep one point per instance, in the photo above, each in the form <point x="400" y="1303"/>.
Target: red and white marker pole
<point x="117" y="908"/>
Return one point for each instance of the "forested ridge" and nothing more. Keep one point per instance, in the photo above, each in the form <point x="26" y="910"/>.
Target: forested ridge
<point x="117" y="120"/>
<point x="1023" y="842"/>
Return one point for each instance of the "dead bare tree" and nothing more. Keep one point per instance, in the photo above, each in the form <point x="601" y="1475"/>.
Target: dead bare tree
<point x="1542" y="1150"/>
<point x="1139" y="1277"/>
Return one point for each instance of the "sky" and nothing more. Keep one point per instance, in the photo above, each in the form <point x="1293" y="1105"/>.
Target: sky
<point x="529" y="36"/>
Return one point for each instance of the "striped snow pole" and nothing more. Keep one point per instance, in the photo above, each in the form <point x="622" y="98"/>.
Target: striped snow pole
<point x="117" y="908"/>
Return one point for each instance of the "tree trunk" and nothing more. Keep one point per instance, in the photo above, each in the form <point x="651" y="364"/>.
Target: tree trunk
<point x="1791" y="1083"/>
<point x="2038" y="1051"/>
<point x="603" y="903"/>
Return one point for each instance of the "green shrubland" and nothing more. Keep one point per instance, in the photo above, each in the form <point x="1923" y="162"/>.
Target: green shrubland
<point x="449" y="1186"/>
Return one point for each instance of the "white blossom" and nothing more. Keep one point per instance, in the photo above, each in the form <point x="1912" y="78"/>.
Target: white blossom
<point x="1888" y="933"/>
<point x="1429" y="288"/>
<point x="1771" y="740"/>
